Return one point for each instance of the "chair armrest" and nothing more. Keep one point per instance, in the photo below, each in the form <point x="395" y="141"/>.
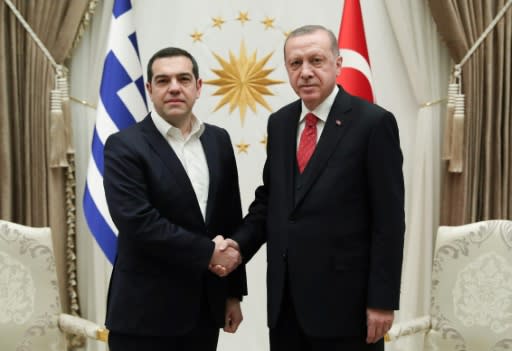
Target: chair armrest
<point x="420" y="324"/>
<point x="78" y="326"/>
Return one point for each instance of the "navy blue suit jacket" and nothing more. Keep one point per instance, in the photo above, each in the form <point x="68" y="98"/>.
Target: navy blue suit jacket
<point x="336" y="231"/>
<point x="161" y="275"/>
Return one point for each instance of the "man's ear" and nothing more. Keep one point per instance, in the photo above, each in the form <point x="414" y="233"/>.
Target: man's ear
<point x="339" y="61"/>
<point x="199" y="85"/>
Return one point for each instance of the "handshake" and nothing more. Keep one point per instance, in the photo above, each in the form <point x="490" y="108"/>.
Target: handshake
<point x="226" y="256"/>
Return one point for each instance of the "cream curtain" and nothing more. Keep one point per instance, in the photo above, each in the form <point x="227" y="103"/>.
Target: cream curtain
<point x="427" y="64"/>
<point x="32" y="192"/>
<point x="482" y="190"/>
<point x="86" y="68"/>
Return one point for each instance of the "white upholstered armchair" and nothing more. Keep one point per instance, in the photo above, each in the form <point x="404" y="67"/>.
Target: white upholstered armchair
<point x="30" y="310"/>
<point x="471" y="292"/>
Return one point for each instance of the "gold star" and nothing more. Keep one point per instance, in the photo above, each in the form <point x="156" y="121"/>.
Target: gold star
<point x="268" y="22"/>
<point x="197" y="36"/>
<point x="287" y="33"/>
<point x="242" y="147"/>
<point x="243" y="17"/>
<point x="218" y="22"/>
<point x="264" y="140"/>
<point x="243" y="81"/>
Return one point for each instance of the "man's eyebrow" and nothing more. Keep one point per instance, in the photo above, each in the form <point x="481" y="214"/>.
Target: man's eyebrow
<point x="180" y="74"/>
<point x="156" y="76"/>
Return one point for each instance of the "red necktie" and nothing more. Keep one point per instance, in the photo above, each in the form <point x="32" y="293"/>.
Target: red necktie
<point x="307" y="142"/>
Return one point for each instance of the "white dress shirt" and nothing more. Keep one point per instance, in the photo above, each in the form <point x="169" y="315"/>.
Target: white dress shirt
<point x="321" y="111"/>
<point x="190" y="152"/>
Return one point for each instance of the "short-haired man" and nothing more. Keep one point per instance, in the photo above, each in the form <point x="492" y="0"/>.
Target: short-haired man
<point x="171" y="184"/>
<point x="331" y="209"/>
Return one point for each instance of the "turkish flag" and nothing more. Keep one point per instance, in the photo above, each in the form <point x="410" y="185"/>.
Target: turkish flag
<point x="355" y="75"/>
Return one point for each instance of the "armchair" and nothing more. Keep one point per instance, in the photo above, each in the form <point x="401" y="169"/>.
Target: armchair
<point x="30" y="310"/>
<point x="471" y="292"/>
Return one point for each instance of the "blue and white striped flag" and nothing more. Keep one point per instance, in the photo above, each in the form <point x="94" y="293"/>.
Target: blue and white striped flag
<point x="122" y="102"/>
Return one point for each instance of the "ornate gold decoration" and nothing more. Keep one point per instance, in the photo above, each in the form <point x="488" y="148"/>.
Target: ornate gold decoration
<point x="197" y="36"/>
<point x="243" y="81"/>
<point x="74" y="340"/>
<point x="433" y="102"/>
<point x="102" y="334"/>
<point x="83" y="102"/>
<point x="268" y="22"/>
<point x="287" y="33"/>
<point x="243" y="17"/>
<point x="242" y="147"/>
<point x="264" y="140"/>
<point x="218" y="22"/>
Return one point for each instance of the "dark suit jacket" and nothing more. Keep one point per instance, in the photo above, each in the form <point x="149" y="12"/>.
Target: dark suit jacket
<point x="338" y="228"/>
<point x="164" y="246"/>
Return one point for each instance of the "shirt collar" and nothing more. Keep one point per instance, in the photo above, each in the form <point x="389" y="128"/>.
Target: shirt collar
<point x="167" y="129"/>
<point x="322" y="110"/>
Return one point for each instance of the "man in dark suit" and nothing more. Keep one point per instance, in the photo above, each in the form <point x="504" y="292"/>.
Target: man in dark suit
<point x="171" y="185"/>
<point x="331" y="209"/>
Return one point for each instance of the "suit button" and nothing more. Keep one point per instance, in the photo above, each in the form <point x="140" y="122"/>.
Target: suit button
<point x="285" y="256"/>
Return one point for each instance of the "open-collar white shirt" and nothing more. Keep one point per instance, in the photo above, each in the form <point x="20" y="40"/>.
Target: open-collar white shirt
<point x="191" y="154"/>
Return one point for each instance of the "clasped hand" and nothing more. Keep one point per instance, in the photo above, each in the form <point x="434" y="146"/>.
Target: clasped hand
<point x="226" y="256"/>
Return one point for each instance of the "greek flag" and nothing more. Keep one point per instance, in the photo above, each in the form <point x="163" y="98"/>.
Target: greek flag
<point x="122" y="102"/>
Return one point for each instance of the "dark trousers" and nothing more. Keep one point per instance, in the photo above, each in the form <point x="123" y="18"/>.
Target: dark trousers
<point x="203" y="337"/>
<point x="288" y="335"/>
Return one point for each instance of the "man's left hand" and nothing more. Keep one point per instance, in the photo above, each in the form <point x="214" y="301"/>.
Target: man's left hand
<point x="378" y="322"/>
<point x="233" y="316"/>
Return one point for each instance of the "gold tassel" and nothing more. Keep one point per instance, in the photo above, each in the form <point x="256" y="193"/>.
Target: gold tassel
<point x="453" y="89"/>
<point x="57" y="139"/>
<point x="63" y="86"/>
<point x="457" y="136"/>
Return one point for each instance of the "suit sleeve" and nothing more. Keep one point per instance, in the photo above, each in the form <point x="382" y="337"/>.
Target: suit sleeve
<point x="252" y="234"/>
<point x="237" y="280"/>
<point x="137" y="220"/>
<point x="386" y="189"/>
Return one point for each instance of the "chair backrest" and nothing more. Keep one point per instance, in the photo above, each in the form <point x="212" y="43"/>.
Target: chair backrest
<point x="471" y="304"/>
<point x="29" y="296"/>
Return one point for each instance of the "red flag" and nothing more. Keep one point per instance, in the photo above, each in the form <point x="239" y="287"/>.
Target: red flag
<point x="355" y="75"/>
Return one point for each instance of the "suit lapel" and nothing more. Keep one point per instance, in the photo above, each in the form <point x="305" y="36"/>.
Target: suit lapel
<point x="335" y="127"/>
<point x="289" y="141"/>
<point x="169" y="158"/>
<point x="211" y="153"/>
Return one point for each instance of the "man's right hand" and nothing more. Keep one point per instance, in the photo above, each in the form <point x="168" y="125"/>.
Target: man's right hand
<point x="226" y="256"/>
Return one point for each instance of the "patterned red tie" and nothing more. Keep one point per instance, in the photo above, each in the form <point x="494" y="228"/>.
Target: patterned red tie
<point x="307" y="142"/>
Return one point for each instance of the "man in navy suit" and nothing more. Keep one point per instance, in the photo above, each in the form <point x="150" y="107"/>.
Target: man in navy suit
<point x="331" y="209"/>
<point x="171" y="185"/>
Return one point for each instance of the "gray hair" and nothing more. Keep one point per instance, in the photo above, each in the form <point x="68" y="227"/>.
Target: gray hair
<point x="312" y="28"/>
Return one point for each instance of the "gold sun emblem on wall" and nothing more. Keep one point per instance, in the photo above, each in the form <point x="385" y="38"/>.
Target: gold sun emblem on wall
<point x="243" y="81"/>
